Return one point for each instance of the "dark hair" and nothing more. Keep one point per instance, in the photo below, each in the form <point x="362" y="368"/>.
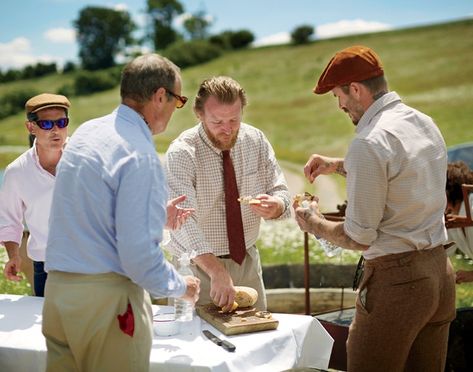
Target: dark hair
<point x="375" y="85"/>
<point x="458" y="173"/>
<point x="143" y="76"/>
<point x="33" y="116"/>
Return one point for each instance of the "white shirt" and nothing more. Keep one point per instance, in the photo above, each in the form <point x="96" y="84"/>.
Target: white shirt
<point x="26" y="194"/>
<point x="396" y="175"/>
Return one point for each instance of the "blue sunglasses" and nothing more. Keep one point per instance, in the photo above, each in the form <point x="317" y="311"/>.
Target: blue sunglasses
<point x="49" y="124"/>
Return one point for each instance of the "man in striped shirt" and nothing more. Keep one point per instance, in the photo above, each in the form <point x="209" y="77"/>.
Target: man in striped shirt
<point x="194" y="168"/>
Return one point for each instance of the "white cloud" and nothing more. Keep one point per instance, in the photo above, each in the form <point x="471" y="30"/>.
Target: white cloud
<point x="120" y="7"/>
<point x="349" y="27"/>
<point x="343" y="27"/>
<point x="60" y="35"/>
<point x="17" y="54"/>
<point x="275" y="39"/>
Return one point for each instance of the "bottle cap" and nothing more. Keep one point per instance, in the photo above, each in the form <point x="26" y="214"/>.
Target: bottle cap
<point x="185" y="258"/>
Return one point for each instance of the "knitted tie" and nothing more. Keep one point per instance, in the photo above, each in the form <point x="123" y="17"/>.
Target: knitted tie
<point x="236" y="237"/>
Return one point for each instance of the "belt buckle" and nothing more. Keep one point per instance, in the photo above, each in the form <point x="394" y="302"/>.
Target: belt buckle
<point x="360" y="268"/>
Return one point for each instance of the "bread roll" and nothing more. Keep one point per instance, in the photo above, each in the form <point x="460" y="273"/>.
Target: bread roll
<point x="300" y="198"/>
<point x="245" y="296"/>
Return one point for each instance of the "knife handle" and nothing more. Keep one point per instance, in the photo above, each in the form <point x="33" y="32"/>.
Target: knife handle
<point x="228" y="346"/>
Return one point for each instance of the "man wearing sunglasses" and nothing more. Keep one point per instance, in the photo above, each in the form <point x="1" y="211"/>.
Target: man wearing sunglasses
<point x="109" y="208"/>
<point x="28" y="185"/>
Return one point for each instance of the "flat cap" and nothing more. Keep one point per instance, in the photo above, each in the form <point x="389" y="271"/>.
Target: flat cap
<point x="46" y="100"/>
<point x="353" y="64"/>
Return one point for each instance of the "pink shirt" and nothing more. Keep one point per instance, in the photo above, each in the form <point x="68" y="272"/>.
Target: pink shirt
<point x="26" y="195"/>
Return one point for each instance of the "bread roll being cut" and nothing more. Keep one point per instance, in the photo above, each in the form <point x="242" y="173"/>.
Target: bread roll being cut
<point x="244" y="297"/>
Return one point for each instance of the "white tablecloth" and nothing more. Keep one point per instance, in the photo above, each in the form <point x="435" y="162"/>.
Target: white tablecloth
<point x="299" y="341"/>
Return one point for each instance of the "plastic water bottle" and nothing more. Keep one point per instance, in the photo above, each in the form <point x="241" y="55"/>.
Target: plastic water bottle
<point x="330" y="249"/>
<point x="184" y="309"/>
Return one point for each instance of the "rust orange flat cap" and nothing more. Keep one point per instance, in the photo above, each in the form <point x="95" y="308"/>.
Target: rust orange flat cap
<point x="353" y="64"/>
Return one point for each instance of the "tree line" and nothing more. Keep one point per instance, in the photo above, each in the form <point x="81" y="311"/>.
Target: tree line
<point x="103" y="34"/>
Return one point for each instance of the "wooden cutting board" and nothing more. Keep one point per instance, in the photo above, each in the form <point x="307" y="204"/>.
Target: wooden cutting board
<point x="244" y="320"/>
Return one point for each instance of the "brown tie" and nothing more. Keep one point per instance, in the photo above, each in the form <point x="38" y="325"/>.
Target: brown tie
<point x="236" y="237"/>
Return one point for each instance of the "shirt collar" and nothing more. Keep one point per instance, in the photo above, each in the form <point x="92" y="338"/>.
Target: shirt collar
<point x="208" y="142"/>
<point x="127" y="113"/>
<point x="34" y="152"/>
<point x="376" y="107"/>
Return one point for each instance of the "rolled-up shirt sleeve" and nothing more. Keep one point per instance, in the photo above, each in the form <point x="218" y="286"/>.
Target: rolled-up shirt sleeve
<point x="366" y="166"/>
<point x="140" y="214"/>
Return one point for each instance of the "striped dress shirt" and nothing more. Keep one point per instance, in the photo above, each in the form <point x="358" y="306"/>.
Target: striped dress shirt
<point x="194" y="168"/>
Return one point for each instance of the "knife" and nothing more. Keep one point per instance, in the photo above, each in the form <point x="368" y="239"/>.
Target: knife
<point x="217" y="341"/>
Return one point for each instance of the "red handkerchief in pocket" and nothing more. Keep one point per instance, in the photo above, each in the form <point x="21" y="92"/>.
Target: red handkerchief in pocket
<point x="127" y="321"/>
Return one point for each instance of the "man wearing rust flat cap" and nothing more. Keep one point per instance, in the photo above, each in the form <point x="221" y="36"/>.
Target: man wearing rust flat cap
<point x="395" y="171"/>
<point x="28" y="184"/>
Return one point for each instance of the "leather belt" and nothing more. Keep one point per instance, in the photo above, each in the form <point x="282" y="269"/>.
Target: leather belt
<point x="225" y="256"/>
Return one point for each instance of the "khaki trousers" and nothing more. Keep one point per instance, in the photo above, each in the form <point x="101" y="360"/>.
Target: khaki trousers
<point x="82" y="329"/>
<point x="248" y="274"/>
<point x="404" y="307"/>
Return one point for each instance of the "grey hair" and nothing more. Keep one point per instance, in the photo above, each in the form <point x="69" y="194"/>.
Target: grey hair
<point x="143" y="76"/>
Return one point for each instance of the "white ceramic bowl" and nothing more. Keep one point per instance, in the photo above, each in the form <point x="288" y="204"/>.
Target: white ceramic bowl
<point x="165" y="324"/>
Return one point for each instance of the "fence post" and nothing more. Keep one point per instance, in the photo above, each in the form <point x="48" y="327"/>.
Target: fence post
<point x="306" y="274"/>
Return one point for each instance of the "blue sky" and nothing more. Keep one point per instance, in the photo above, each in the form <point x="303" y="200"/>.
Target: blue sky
<point x="42" y="30"/>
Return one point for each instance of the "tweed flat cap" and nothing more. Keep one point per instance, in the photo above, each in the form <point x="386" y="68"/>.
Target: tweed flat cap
<point x="353" y="64"/>
<point x="46" y="100"/>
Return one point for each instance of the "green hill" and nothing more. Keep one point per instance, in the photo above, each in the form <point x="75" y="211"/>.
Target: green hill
<point x="430" y="67"/>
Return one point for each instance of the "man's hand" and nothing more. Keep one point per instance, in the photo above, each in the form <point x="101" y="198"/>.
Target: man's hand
<point x="464" y="276"/>
<point x="12" y="268"/>
<point x="176" y="216"/>
<point x="222" y="290"/>
<point x="307" y="215"/>
<point x="269" y="208"/>
<point x="193" y="289"/>
<point x="318" y="164"/>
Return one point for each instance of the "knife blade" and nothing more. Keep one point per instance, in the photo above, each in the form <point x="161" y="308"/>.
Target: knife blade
<point x="217" y="341"/>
